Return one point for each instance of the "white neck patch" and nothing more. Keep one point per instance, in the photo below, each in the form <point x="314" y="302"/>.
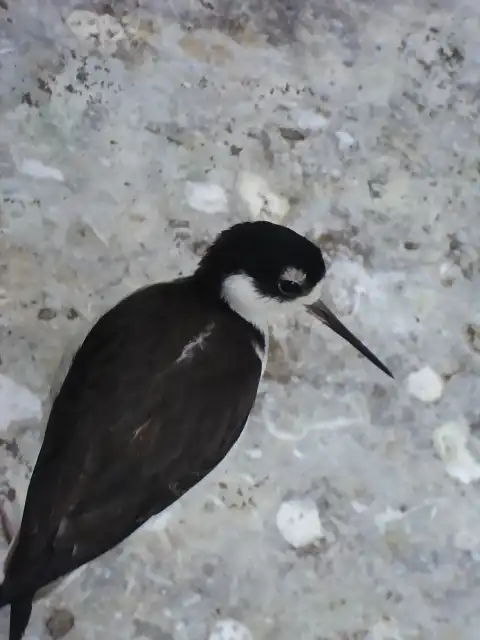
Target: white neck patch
<point x="240" y="293"/>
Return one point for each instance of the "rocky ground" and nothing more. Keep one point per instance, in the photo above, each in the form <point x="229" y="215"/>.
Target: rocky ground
<point x="130" y="134"/>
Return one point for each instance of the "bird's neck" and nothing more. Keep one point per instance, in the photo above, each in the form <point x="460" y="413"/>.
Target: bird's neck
<point x="241" y="295"/>
<point x="238" y="291"/>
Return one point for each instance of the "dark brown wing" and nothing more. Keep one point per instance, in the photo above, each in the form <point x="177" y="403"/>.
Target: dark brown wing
<point x="140" y="418"/>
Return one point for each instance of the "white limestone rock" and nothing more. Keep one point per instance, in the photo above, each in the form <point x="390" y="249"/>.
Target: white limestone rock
<point x="261" y="200"/>
<point x="299" y="522"/>
<point x="310" y="120"/>
<point x="206" y="197"/>
<point x="450" y="442"/>
<point x="255" y="453"/>
<point x="345" y="140"/>
<point x="37" y="169"/>
<point x="425" y="384"/>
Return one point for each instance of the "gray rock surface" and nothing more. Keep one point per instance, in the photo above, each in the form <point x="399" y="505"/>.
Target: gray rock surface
<point x="131" y="132"/>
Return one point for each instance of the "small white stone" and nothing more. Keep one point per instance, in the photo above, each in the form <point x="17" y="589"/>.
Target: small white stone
<point x="310" y="120"/>
<point x="386" y="629"/>
<point x="299" y="523"/>
<point x="191" y="600"/>
<point x="17" y="403"/>
<point x="450" y="443"/>
<point x="345" y="140"/>
<point x="206" y="197"/>
<point x="37" y="169"/>
<point x="425" y="384"/>
<point x="262" y="202"/>
<point x="230" y="629"/>
<point x="254" y="454"/>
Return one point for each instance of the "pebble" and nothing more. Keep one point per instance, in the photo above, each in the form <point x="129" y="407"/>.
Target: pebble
<point x="17" y="403"/>
<point x="206" y="197"/>
<point x="299" y="523"/>
<point x="310" y="120"/>
<point x="345" y="140"/>
<point x="255" y="453"/>
<point x="425" y="384"/>
<point x="262" y="202"/>
<point x="450" y="443"/>
<point x="230" y="629"/>
<point x="60" y="622"/>
<point x="37" y="169"/>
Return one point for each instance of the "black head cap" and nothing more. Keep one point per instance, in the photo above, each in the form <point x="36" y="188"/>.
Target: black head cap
<point x="281" y="263"/>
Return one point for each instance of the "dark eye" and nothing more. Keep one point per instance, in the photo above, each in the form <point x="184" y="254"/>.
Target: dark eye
<point x="289" y="288"/>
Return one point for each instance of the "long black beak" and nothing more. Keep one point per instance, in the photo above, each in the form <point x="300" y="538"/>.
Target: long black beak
<point x="323" y="313"/>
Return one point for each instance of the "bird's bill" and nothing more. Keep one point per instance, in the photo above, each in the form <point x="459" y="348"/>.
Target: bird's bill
<point x="323" y="313"/>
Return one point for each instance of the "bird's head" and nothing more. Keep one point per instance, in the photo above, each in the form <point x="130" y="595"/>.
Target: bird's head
<point x="262" y="269"/>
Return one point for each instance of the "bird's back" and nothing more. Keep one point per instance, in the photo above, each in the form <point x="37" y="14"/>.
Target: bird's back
<point x="155" y="397"/>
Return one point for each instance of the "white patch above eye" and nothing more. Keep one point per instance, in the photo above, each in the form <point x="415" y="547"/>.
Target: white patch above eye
<point x="292" y="274"/>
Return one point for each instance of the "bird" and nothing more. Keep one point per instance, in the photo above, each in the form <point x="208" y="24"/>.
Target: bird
<point x="155" y="397"/>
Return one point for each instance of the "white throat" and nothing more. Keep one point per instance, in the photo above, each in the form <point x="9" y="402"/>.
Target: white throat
<point x="242" y="296"/>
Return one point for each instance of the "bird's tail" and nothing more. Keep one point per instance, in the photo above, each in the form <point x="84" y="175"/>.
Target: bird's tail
<point x="4" y="599"/>
<point x="20" y="612"/>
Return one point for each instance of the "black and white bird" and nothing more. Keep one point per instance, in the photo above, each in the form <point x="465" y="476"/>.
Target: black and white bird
<point x="154" y="399"/>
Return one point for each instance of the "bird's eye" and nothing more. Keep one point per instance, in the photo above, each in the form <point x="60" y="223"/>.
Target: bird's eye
<point x="289" y="288"/>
